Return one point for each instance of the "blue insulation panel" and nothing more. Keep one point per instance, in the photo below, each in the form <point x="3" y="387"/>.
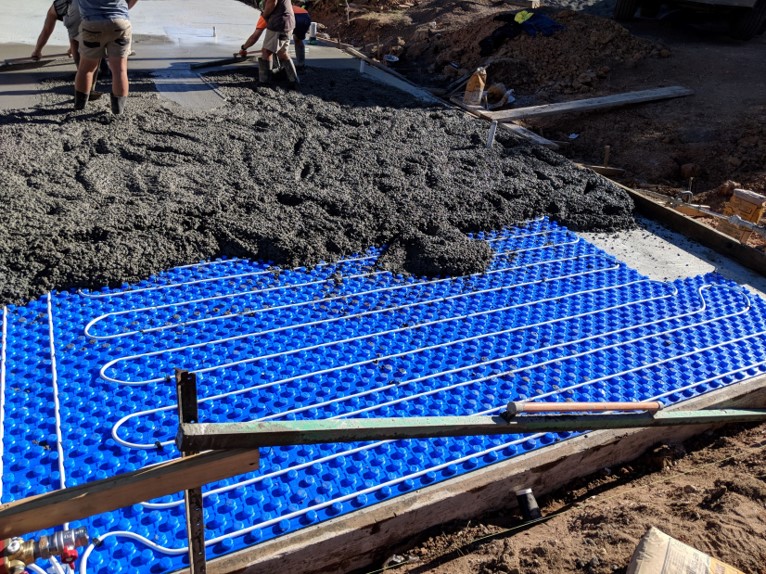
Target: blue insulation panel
<point x="88" y="391"/>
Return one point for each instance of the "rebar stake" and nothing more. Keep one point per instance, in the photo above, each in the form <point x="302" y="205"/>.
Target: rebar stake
<point x="491" y="134"/>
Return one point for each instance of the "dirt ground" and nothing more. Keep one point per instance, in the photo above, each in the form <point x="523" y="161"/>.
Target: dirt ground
<point x="710" y="492"/>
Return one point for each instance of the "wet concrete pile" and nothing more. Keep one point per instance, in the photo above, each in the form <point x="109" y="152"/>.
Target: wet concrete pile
<point x="90" y="199"/>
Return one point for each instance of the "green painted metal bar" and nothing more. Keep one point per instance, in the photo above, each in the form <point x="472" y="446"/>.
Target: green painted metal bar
<point x="215" y="436"/>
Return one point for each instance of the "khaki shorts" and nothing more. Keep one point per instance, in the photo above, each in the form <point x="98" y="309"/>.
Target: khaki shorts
<point x="97" y="37"/>
<point x="275" y="42"/>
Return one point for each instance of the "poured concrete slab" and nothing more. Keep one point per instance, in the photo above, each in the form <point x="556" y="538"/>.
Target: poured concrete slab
<point x="23" y="23"/>
<point x="19" y="91"/>
<point x="169" y="36"/>
<point x="665" y="255"/>
<point x="188" y="89"/>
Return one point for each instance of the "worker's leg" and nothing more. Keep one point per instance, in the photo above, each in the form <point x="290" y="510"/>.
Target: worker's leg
<point x="84" y="80"/>
<point x="264" y="67"/>
<point x="119" y="67"/>
<point x="94" y="94"/>
<point x="300" y="52"/>
<point x="74" y="49"/>
<point x="273" y="43"/>
<point x="120" y="85"/>
<point x="92" y="40"/>
<point x="302" y="25"/>
<point x="287" y="63"/>
<point x="118" y="50"/>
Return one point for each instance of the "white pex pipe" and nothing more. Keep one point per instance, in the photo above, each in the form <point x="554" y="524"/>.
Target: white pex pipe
<point x="390" y="356"/>
<point x="56" y="403"/>
<point x="396" y="355"/>
<point x="113" y="362"/>
<point x="100" y="318"/>
<point x="3" y="345"/>
<point x="265" y="524"/>
<point x="315" y="507"/>
<point x="171" y="551"/>
<point x="514" y="371"/>
<point x="695" y="351"/>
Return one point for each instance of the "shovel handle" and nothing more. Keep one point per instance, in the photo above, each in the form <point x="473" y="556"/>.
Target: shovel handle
<point x="516" y="407"/>
<point x="26" y="59"/>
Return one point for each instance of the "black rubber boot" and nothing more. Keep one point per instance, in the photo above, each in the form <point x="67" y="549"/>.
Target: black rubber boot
<point x="264" y="71"/>
<point x="292" y="75"/>
<point x="118" y="103"/>
<point x="300" y="55"/>
<point x="80" y="100"/>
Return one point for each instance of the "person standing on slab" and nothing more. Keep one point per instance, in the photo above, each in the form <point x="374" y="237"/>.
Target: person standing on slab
<point x="105" y="31"/>
<point x="302" y="25"/>
<point x="280" y="23"/>
<point x="56" y="13"/>
<point x="67" y="11"/>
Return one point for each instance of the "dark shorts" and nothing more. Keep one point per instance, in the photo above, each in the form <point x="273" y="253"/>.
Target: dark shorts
<point x="302" y="24"/>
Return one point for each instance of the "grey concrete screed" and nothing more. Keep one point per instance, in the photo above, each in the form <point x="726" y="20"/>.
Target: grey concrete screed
<point x="91" y="199"/>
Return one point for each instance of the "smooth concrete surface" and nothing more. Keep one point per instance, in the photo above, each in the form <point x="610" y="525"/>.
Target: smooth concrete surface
<point x="664" y="255"/>
<point x="188" y="90"/>
<point x="168" y="36"/>
<point x="183" y="22"/>
<point x="22" y="22"/>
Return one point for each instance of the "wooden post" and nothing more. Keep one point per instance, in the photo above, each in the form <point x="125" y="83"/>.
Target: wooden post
<point x="186" y="391"/>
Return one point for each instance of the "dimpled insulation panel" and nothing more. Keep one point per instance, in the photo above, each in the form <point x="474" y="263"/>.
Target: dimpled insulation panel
<point x="87" y="387"/>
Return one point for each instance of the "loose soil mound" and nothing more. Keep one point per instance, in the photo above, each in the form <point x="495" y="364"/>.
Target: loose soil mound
<point x="698" y="142"/>
<point x="436" y="46"/>
<point x="93" y="199"/>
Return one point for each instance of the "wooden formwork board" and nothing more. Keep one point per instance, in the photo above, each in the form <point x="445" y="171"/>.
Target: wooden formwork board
<point x="366" y="536"/>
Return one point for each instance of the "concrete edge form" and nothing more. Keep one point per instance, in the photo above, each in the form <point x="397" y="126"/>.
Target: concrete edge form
<point x="368" y="535"/>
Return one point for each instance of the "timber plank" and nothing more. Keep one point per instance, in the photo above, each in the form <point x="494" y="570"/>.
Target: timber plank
<point x="589" y="103"/>
<point x="514" y="128"/>
<point x="528" y="134"/>
<point x="60" y="506"/>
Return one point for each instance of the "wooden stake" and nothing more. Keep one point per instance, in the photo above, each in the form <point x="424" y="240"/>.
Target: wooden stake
<point x="186" y="391"/>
